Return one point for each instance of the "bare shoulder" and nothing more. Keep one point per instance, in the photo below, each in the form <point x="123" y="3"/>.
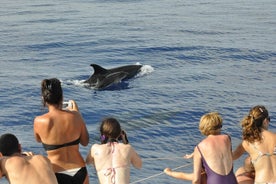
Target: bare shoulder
<point x="203" y="143"/>
<point x="39" y="157"/>
<point x="272" y="137"/>
<point x="41" y="119"/>
<point x="14" y="162"/>
<point x="95" y="147"/>
<point x="41" y="122"/>
<point x="246" y="145"/>
<point x="29" y="158"/>
<point x="227" y="137"/>
<point x="126" y="146"/>
<point x="272" y="134"/>
<point x="9" y="164"/>
<point x="73" y="113"/>
<point x="38" y="160"/>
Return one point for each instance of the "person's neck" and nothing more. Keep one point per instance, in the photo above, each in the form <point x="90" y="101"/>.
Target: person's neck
<point x="112" y="140"/>
<point x="216" y="133"/>
<point x="53" y="107"/>
<point x="264" y="128"/>
<point x="16" y="154"/>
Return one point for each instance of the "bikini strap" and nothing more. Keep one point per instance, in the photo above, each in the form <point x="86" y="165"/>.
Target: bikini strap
<point x="199" y="151"/>
<point x="229" y="137"/>
<point x="49" y="147"/>
<point x="112" y="172"/>
<point x="260" y="154"/>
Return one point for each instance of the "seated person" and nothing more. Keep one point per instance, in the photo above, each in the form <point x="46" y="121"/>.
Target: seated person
<point x="246" y="173"/>
<point x="23" y="168"/>
<point x="259" y="143"/>
<point x="183" y="175"/>
<point x="212" y="155"/>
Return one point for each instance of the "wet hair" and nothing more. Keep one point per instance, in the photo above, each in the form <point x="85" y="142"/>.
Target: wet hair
<point x="9" y="144"/>
<point x="210" y="123"/>
<point x="51" y="91"/>
<point x="110" y="130"/>
<point x="252" y="124"/>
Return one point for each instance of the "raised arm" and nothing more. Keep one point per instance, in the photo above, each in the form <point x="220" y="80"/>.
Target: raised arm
<point x="84" y="138"/>
<point x="89" y="158"/>
<point x="136" y="160"/>
<point x="197" y="167"/>
<point x="179" y="175"/>
<point x="238" y="151"/>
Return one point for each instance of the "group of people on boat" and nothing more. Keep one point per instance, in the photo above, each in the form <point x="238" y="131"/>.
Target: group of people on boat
<point x="62" y="131"/>
<point x="213" y="157"/>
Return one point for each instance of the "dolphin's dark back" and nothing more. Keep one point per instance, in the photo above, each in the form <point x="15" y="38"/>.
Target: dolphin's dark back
<point x="98" y="69"/>
<point x="102" y="77"/>
<point x="132" y="70"/>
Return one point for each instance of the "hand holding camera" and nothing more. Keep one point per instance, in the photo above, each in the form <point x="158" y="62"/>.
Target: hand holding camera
<point x="124" y="137"/>
<point x="67" y="105"/>
<point x="70" y="105"/>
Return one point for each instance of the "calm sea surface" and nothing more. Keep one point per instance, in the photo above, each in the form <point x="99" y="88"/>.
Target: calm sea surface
<point x="199" y="56"/>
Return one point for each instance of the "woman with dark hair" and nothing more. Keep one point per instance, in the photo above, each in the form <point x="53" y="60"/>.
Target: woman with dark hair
<point x="60" y="132"/>
<point x="259" y="143"/>
<point x="112" y="158"/>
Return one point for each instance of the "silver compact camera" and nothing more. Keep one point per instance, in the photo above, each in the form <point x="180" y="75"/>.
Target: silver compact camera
<point x="67" y="105"/>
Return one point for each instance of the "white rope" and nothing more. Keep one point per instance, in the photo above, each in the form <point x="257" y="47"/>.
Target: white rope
<point x="160" y="173"/>
<point x="148" y="178"/>
<point x="182" y="166"/>
<point x="164" y="158"/>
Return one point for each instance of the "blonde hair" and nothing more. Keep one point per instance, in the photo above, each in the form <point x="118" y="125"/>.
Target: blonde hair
<point x="210" y="123"/>
<point x="252" y="124"/>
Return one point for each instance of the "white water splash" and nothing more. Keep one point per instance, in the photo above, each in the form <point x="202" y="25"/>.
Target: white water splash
<point x="145" y="70"/>
<point x="78" y="83"/>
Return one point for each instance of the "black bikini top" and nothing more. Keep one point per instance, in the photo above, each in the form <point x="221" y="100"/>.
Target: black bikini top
<point x="49" y="147"/>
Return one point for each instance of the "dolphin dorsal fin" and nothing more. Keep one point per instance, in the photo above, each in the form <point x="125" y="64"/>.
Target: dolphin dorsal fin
<point x="98" y="69"/>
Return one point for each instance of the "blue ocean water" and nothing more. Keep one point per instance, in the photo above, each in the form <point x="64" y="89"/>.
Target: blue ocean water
<point x="202" y="56"/>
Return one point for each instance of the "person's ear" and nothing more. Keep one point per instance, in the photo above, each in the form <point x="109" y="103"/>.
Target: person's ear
<point x="265" y="124"/>
<point x="1" y="155"/>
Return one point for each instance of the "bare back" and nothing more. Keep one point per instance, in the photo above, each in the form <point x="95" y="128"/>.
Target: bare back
<point x="58" y="127"/>
<point x="113" y="160"/>
<point x="263" y="157"/>
<point x="216" y="150"/>
<point x="28" y="169"/>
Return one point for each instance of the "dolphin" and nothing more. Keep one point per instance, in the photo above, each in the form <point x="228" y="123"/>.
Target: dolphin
<point x="102" y="78"/>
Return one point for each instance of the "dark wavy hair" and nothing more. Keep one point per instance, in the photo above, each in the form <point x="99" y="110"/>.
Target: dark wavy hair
<point x="51" y="91"/>
<point x="9" y="144"/>
<point x="252" y="124"/>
